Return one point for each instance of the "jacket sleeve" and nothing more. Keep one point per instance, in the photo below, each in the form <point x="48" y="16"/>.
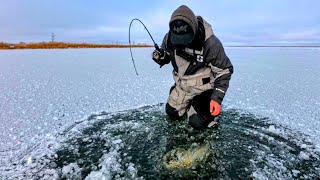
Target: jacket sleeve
<point x="221" y="67"/>
<point x="167" y="57"/>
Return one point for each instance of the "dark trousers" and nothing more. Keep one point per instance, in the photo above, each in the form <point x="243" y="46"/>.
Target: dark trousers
<point x="201" y="104"/>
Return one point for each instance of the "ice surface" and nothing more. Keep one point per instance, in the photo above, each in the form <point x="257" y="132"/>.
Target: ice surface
<point x="110" y="164"/>
<point x="42" y="92"/>
<point x="281" y="84"/>
<point x="71" y="171"/>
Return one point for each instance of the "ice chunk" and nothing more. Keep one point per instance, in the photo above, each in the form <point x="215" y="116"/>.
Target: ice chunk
<point x="118" y="141"/>
<point x="303" y="156"/>
<point x="303" y="146"/>
<point x="71" y="171"/>
<point x="29" y="160"/>
<point x="295" y="172"/>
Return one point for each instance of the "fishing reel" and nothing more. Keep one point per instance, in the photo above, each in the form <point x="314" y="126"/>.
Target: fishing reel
<point x="157" y="55"/>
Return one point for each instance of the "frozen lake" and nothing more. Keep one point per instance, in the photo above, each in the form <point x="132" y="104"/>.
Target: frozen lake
<point x="50" y="98"/>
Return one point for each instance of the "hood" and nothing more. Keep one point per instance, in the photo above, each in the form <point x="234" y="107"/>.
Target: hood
<point x="186" y="14"/>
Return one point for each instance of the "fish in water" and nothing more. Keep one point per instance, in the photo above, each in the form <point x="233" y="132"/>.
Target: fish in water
<point x="179" y="158"/>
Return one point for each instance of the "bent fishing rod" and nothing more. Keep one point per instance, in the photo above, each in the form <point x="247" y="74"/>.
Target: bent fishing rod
<point x="155" y="44"/>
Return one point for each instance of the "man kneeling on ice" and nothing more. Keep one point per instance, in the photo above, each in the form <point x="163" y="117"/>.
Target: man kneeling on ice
<point x="202" y="70"/>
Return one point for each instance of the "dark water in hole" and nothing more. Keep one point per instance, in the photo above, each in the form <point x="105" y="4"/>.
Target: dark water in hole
<point x="131" y="145"/>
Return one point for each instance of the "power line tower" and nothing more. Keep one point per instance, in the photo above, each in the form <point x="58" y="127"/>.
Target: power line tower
<point x="53" y="37"/>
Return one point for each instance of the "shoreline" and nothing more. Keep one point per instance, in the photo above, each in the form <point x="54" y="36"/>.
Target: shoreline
<point x="63" y="45"/>
<point x="277" y="46"/>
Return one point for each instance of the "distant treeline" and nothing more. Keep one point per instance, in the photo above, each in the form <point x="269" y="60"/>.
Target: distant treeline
<point x="286" y="46"/>
<point x="63" y="45"/>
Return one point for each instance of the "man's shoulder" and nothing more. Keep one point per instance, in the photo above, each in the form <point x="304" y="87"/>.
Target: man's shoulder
<point x="165" y="41"/>
<point x="166" y="36"/>
<point x="207" y="28"/>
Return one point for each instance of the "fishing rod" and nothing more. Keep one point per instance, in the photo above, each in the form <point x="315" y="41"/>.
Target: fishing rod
<point x="155" y="44"/>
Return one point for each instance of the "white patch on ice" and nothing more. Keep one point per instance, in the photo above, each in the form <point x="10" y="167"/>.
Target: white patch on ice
<point x="272" y="129"/>
<point x="71" y="171"/>
<point x="259" y="175"/>
<point x="303" y="146"/>
<point x="273" y="167"/>
<point x="101" y="117"/>
<point x="304" y="156"/>
<point x="118" y="141"/>
<point x="110" y="164"/>
<point x="132" y="172"/>
<point x="50" y="174"/>
<point x="29" y="160"/>
<point x="85" y="139"/>
<point x="295" y="172"/>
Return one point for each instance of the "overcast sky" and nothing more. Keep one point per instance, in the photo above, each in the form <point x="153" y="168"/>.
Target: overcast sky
<point x="235" y="22"/>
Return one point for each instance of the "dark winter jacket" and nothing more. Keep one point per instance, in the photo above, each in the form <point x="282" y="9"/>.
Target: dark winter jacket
<point x="206" y="50"/>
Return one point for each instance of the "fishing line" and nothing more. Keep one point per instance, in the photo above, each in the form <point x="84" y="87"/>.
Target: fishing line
<point x="155" y="45"/>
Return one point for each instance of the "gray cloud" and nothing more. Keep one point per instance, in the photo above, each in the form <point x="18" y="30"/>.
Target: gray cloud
<point x="246" y="22"/>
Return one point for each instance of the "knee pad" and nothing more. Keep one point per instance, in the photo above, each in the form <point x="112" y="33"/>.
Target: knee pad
<point x="172" y="112"/>
<point x="201" y="103"/>
<point x="196" y="122"/>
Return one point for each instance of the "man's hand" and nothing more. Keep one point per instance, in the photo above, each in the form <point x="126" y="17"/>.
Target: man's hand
<point x="160" y="56"/>
<point x="157" y="55"/>
<point x="214" y="108"/>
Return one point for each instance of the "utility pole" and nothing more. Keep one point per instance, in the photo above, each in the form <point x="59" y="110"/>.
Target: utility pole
<point x="53" y="37"/>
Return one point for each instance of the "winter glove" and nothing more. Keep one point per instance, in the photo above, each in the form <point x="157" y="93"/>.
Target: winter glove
<point x="160" y="56"/>
<point x="214" y="108"/>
